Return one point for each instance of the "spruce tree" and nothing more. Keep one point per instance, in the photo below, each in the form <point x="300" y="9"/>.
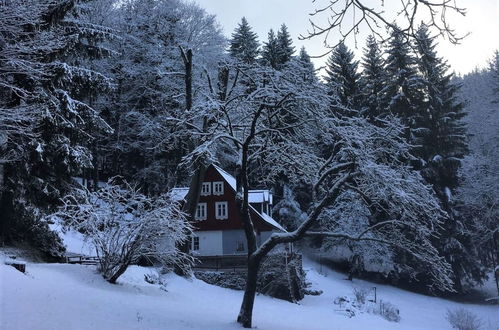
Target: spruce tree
<point x="60" y="45"/>
<point x="270" y="52"/>
<point x="244" y="43"/>
<point x="343" y="79"/>
<point x="403" y="92"/>
<point x="442" y="146"/>
<point x="306" y="63"/>
<point x="373" y="78"/>
<point x="285" y="46"/>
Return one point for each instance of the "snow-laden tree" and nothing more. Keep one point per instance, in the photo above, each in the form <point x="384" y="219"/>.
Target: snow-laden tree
<point x="278" y="127"/>
<point x="479" y="186"/>
<point x="244" y="43"/>
<point x="45" y="48"/>
<point x="343" y="80"/>
<point x="124" y="225"/>
<point x="154" y="83"/>
<point x="403" y="92"/>
<point x="441" y="145"/>
<point x="271" y="50"/>
<point x="285" y="43"/>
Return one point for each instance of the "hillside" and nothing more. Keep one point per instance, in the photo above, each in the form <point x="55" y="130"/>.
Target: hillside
<point x="61" y="296"/>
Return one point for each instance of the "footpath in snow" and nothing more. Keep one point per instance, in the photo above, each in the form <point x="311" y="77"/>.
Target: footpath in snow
<point x="62" y="296"/>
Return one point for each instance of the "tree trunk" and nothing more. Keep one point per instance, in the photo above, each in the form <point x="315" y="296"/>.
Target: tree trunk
<point x="118" y="273"/>
<point x="246" y="312"/>
<point x="187" y="58"/>
<point x="190" y="206"/>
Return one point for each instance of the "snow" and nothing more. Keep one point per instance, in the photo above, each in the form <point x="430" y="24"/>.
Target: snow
<point x="179" y="194"/>
<point x="74" y="241"/>
<point x="227" y="177"/>
<point x="271" y="221"/>
<point x="259" y="196"/>
<point x="75" y="297"/>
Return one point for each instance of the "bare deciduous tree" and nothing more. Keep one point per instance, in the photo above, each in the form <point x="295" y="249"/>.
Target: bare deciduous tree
<point x="282" y="124"/>
<point x="347" y="17"/>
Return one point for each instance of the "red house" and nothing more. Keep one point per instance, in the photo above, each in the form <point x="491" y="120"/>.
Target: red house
<point x="218" y="225"/>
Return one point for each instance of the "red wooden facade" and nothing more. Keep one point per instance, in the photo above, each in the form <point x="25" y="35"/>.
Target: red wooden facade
<point x="214" y="174"/>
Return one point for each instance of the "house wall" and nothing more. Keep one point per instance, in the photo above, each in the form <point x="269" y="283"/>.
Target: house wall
<point x="231" y="238"/>
<point x="210" y="243"/>
<point x="234" y="221"/>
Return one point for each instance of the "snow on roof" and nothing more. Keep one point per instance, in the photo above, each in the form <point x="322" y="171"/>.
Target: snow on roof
<point x="255" y="196"/>
<point x="227" y="177"/>
<point x="271" y="221"/>
<point x="260" y="196"/>
<point x="179" y="194"/>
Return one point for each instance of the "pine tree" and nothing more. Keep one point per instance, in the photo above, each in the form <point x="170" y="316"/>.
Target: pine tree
<point x="373" y="78"/>
<point x="442" y="146"/>
<point x="343" y="79"/>
<point x="285" y="46"/>
<point x="244" y="43"/>
<point x="270" y="52"/>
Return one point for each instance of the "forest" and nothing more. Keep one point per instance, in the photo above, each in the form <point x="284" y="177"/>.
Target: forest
<point x="384" y="158"/>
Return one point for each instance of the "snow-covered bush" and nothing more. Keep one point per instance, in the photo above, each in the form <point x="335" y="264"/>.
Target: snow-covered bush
<point x="463" y="319"/>
<point x="389" y="311"/>
<point x="361" y="294"/>
<point x="125" y="225"/>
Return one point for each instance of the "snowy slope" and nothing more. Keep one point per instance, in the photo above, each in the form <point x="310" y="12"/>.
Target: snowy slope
<point x="61" y="296"/>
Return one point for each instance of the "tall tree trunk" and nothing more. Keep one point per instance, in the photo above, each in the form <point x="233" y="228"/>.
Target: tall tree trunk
<point x="246" y="312"/>
<point x="190" y="207"/>
<point x="187" y="58"/>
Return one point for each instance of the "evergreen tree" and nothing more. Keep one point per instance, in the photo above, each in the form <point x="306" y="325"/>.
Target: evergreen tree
<point x="285" y="46"/>
<point x="270" y="52"/>
<point x="59" y="44"/>
<point x="373" y="78"/>
<point x="442" y="146"/>
<point x="306" y="63"/>
<point x="403" y="94"/>
<point x="343" y="79"/>
<point x="244" y="43"/>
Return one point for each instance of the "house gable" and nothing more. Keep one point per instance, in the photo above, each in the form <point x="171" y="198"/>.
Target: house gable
<point x="214" y="176"/>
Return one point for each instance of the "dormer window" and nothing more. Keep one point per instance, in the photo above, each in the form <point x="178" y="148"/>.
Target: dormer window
<point x="201" y="211"/>
<point x="206" y="189"/>
<point x="221" y="210"/>
<point x="218" y="188"/>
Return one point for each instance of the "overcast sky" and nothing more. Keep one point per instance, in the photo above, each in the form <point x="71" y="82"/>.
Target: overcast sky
<point x="482" y="21"/>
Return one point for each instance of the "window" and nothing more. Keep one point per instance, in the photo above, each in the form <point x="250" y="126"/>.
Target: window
<point x="195" y="243"/>
<point x="206" y="189"/>
<point x="201" y="211"/>
<point x="221" y="210"/>
<point x="218" y="188"/>
<point x="240" y="246"/>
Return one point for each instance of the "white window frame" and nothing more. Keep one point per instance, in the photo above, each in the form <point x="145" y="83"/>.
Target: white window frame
<point x="206" y="189"/>
<point x="200" y="215"/>
<point x="194" y="240"/>
<point x="218" y="188"/>
<point x="219" y="206"/>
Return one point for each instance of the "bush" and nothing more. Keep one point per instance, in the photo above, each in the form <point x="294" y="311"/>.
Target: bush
<point x="463" y="319"/>
<point x="389" y="311"/>
<point x="361" y="294"/>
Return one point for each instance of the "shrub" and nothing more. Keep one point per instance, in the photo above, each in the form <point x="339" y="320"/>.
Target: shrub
<point x="463" y="319"/>
<point x="361" y="294"/>
<point x="389" y="311"/>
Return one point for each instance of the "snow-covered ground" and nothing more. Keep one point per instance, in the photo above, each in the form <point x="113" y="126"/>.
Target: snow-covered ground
<point x="62" y="296"/>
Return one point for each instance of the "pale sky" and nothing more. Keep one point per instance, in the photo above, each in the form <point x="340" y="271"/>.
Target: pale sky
<point x="482" y="21"/>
